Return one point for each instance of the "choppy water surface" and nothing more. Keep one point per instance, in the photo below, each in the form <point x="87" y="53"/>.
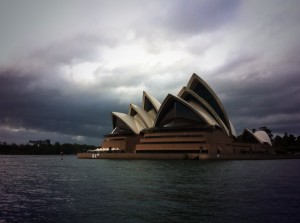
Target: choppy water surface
<point x="47" y="189"/>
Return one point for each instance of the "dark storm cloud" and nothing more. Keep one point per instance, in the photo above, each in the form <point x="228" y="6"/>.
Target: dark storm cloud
<point x="64" y="69"/>
<point x="27" y="103"/>
<point x="37" y="96"/>
<point x="258" y="95"/>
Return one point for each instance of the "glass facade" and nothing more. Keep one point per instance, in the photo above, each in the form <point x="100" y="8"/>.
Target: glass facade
<point x="148" y="104"/>
<point x="204" y="93"/>
<point x="121" y="127"/>
<point x="178" y="114"/>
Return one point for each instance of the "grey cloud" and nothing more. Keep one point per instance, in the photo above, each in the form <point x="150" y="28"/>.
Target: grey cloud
<point x="258" y="82"/>
<point x="264" y="101"/>
<point x="198" y="16"/>
<point x="35" y="95"/>
<point x="234" y="61"/>
<point x="52" y="110"/>
<point x="81" y="47"/>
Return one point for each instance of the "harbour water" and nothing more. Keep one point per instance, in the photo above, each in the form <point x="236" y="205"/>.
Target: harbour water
<point x="48" y="189"/>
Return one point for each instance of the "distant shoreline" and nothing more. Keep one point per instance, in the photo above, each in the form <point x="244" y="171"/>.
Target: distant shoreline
<point x="44" y="149"/>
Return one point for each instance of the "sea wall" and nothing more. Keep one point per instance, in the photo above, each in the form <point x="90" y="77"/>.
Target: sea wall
<point x="185" y="156"/>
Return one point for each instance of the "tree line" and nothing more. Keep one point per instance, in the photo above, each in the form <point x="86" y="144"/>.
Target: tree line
<point x="43" y="149"/>
<point x="287" y="143"/>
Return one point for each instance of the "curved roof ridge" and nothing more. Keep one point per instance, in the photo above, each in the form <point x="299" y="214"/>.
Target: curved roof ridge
<point x="215" y="104"/>
<point x="205" y="114"/>
<point x="253" y="134"/>
<point x="233" y="132"/>
<point x="127" y="120"/>
<point x="206" y="105"/>
<point x="146" y="118"/>
<point x="263" y="137"/>
<point x="247" y="131"/>
<point x="180" y="100"/>
<point x="154" y="102"/>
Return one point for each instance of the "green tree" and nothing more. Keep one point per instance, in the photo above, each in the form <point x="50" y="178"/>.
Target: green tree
<point x="277" y="141"/>
<point x="291" y="140"/>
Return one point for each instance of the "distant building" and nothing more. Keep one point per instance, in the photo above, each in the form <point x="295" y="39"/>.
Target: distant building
<point x="194" y="121"/>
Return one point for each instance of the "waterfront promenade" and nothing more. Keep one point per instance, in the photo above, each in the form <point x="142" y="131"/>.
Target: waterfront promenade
<point x="186" y="156"/>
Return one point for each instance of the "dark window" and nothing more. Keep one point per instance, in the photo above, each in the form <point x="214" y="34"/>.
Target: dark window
<point x="209" y="98"/>
<point x="248" y="138"/>
<point x="190" y="97"/>
<point x="121" y="127"/>
<point x="148" y="105"/>
<point x="178" y="114"/>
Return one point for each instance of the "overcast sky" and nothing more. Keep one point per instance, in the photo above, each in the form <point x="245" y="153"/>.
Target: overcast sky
<point x="65" y="65"/>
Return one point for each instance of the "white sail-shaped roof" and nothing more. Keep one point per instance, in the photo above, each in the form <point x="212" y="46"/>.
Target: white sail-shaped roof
<point x="138" y="118"/>
<point x="260" y="136"/>
<point x="128" y="120"/>
<point x="201" y="88"/>
<point x="169" y="101"/>
<point x="143" y="116"/>
<point x="233" y="132"/>
<point x="150" y="102"/>
<point x="197" y="99"/>
<point x="263" y="137"/>
<point x="209" y="119"/>
<point x="189" y="95"/>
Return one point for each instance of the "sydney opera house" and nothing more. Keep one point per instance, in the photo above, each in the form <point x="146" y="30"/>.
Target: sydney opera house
<point x="192" y="122"/>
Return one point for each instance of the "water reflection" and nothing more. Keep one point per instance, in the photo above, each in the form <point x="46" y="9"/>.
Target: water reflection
<point x="48" y="189"/>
